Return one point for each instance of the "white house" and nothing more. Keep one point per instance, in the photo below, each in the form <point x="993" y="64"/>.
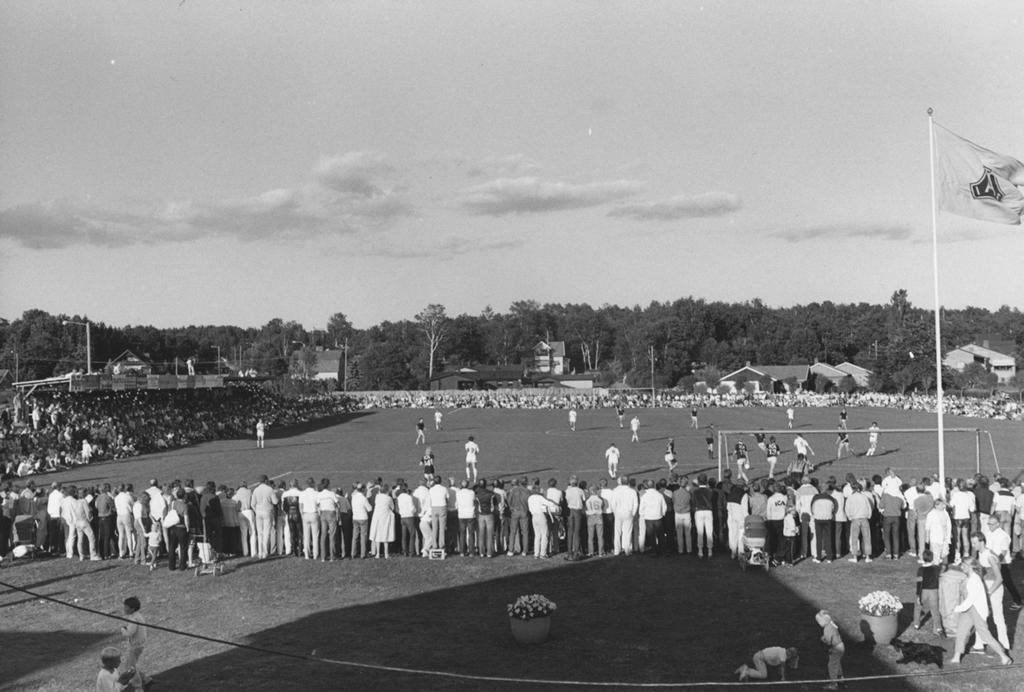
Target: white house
<point x="547" y="358"/>
<point x="1003" y="366"/>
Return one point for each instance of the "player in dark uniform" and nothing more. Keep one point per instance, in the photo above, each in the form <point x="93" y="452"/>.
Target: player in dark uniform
<point x="842" y="418"/>
<point x="759" y="439"/>
<point x="709" y="438"/>
<point x="843" y="443"/>
<point x="621" y="413"/>
<point x="693" y="417"/>
<point x="670" y="454"/>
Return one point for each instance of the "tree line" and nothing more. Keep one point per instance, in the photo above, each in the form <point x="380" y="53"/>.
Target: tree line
<point x="684" y="340"/>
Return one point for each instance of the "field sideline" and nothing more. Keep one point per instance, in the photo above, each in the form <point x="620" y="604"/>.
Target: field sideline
<point x="625" y="619"/>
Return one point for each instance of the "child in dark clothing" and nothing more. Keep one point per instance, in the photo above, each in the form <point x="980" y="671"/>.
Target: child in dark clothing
<point x="928" y="593"/>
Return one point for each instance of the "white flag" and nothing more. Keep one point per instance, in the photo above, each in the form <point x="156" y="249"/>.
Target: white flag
<point x="975" y="182"/>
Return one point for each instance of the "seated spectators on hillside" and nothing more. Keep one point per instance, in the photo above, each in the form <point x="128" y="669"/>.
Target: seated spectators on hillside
<point x="82" y="428"/>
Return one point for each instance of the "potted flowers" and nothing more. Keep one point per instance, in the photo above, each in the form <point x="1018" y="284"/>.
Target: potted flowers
<point x="530" y="618"/>
<point x="879" y="609"/>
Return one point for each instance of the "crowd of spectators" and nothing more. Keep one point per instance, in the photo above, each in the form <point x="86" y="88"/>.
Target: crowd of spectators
<point x="55" y="430"/>
<point x="997" y="407"/>
<point x="820" y="520"/>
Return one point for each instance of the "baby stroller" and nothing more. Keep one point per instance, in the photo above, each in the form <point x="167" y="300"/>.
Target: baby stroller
<point x="755" y="536"/>
<point x="208" y="561"/>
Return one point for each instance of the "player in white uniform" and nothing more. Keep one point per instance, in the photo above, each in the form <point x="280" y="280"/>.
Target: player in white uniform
<point x="612" y="455"/>
<point x="261" y="430"/>
<point x="438" y="417"/>
<point x="790" y="417"/>
<point x="803" y="447"/>
<point x="872" y="439"/>
<point x="572" y="419"/>
<point x="634" y="425"/>
<point x="472" y="449"/>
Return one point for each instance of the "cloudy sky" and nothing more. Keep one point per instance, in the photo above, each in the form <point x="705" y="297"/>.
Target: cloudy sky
<point x="229" y="162"/>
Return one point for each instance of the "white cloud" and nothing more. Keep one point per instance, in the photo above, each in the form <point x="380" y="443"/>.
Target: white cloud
<point x="680" y="207"/>
<point x="840" y="231"/>
<point x="531" y="195"/>
<point x="344" y="194"/>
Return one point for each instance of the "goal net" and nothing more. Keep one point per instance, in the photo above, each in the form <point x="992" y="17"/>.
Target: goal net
<point x="911" y="452"/>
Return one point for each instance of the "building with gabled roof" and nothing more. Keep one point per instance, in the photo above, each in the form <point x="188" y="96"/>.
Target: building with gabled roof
<point x="860" y="375"/>
<point x="547" y="357"/>
<point x="129" y="363"/>
<point x="1002" y="365"/>
<point x="479" y="377"/>
<point x="778" y="374"/>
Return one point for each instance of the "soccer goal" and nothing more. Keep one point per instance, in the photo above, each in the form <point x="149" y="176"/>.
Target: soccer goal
<point x="913" y="452"/>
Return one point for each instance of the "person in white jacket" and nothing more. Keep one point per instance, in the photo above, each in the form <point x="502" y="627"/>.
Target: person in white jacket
<point x="974" y="615"/>
<point x="939" y="530"/>
<point x="624" y="505"/>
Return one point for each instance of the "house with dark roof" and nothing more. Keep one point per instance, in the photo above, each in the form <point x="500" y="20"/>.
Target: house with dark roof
<point x="328" y="364"/>
<point x="479" y="377"/>
<point x="129" y="363"/>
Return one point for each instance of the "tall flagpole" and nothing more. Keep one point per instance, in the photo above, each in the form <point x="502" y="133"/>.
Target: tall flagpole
<point x="935" y="274"/>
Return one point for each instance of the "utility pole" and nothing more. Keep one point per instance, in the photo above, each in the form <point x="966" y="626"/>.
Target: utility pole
<point x="344" y="374"/>
<point x="651" y="356"/>
<point x="218" y="360"/>
<point x="88" y="343"/>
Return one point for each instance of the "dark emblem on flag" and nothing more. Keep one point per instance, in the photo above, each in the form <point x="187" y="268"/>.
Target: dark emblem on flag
<point x="987" y="187"/>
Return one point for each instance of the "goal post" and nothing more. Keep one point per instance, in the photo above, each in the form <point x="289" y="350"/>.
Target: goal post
<point x="824" y="440"/>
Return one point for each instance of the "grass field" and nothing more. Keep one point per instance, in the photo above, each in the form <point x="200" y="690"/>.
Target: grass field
<point x="629" y="620"/>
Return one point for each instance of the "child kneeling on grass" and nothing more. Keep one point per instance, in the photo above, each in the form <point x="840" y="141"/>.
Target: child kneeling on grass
<point x="771" y="656"/>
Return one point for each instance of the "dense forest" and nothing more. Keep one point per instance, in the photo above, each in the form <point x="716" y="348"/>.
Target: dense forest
<point x="686" y="338"/>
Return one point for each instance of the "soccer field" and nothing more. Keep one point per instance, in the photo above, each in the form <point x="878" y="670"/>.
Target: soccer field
<point x="539" y="443"/>
<point x="630" y="620"/>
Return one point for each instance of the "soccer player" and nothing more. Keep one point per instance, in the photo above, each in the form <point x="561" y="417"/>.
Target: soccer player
<point x="842" y="418"/>
<point x="572" y="419"/>
<point x="872" y="439"/>
<point x="709" y="439"/>
<point x="802" y="448"/>
<point x="759" y="439"/>
<point x="790" y="417"/>
<point x="261" y="431"/>
<point x="634" y="426"/>
<point x="843" y="443"/>
<point x="742" y="463"/>
<point x="670" y="454"/>
<point x="472" y="449"/>
<point x="421" y="436"/>
<point x="693" y="417"/>
<point x="438" y="417"/>
<point x="612" y="456"/>
<point x="621" y="413"/>
<point x="771" y="452"/>
<point x="427" y="462"/>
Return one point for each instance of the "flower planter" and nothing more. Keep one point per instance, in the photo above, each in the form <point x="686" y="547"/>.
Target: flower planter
<point x="883" y="627"/>
<point x="532" y="631"/>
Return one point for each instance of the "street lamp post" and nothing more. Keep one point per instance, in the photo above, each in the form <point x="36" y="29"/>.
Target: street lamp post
<point x="88" y="343"/>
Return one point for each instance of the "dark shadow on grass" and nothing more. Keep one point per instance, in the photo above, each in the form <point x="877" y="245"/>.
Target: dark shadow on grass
<point x="6" y="576"/>
<point x="318" y="424"/>
<point x="621" y="619"/>
<point x="36" y="652"/>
